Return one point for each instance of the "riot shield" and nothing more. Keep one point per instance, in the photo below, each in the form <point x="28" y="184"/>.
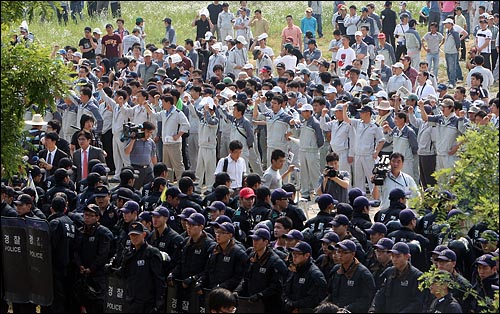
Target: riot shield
<point x="115" y="296"/>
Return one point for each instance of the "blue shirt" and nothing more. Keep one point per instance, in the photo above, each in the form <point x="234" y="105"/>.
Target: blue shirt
<point x="309" y="24"/>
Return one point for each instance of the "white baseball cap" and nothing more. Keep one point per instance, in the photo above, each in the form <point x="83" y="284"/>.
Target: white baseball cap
<point x="358" y="33"/>
<point x="241" y="39"/>
<point x="330" y="90"/>
<point x="262" y="36"/>
<point x="306" y="107"/>
<point x="248" y="66"/>
<point x="450" y="21"/>
<point x="97" y="31"/>
<point x="208" y="35"/>
<point x="380" y="58"/>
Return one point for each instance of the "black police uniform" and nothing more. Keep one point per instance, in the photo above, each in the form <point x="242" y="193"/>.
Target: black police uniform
<point x="225" y="268"/>
<point x="446" y="304"/>
<point x="484" y="289"/>
<point x="361" y="220"/>
<point x="136" y="196"/>
<point x="389" y="214"/>
<point x="109" y="217"/>
<point x="243" y="219"/>
<point x="144" y="277"/>
<point x="316" y="229"/>
<point x="64" y="188"/>
<point x="260" y="211"/>
<point x="325" y="264"/>
<point x="377" y="274"/>
<point x="421" y="261"/>
<point x="170" y="242"/>
<point x="305" y="288"/>
<point x="263" y="279"/>
<point x="7" y="211"/>
<point x="150" y="201"/>
<point x="399" y="293"/>
<point x="62" y="236"/>
<point x="122" y="242"/>
<point x="352" y="288"/>
<point x="296" y="215"/>
<point x="188" y="202"/>
<point x="92" y="250"/>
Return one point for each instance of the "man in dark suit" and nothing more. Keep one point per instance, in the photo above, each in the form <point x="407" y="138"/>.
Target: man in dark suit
<point x="51" y="154"/>
<point x="84" y="154"/>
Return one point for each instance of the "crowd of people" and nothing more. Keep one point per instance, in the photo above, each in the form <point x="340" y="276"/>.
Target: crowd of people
<point x="178" y="167"/>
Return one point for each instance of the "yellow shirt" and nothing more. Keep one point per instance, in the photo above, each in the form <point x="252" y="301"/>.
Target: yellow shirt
<point x="259" y="27"/>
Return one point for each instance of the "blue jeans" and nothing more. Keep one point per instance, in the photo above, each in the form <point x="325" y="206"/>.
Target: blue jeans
<point x="467" y="20"/>
<point x="433" y="61"/>
<point x="320" y="24"/>
<point x="451" y="67"/>
<point x="459" y="71"/>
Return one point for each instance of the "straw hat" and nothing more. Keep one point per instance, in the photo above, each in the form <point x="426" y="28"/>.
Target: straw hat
<point x="37" y="119"/>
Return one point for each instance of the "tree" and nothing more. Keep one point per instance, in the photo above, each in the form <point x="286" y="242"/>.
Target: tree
<point x="30" y="79"/>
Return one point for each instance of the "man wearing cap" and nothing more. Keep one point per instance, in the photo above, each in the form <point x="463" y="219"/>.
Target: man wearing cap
<point x="447" y="261"/>
<point x="305" y="287"/>
<point x="194" y="255"/>
<point x="62" y="184"/>
<point x="450" y="127"/>
<point x="383" y="260"/>
<point x="261" y="43"/>
<point x="165" y="238"/>
<point x="311" y="140"/>
<point x="316" y="227"/>
<point x="360" y="215"/>
<point x="343" y="227"/>
<point x="399" y="79"/>
<point x="237" y="57"/>
<point x="263" y="61"/>
<point x="312" y="52"/>
<point x="487" y="268"/>
<point x="385" y="49"/>
<point x="8" y="197"/>
<point x="147" y="70"/>
<point x="227" y="262"/>
<point x="369" y="141"/>
<point x="399" y="293"/>
<point x="351" y="285"/>
<point x="399" y="33"/>
<point x="92" y="251"/>
<point x="242" y="217"/>
<point x="130" y="212"/>
<point x="171" y="202"/>
<point x="366" y="20"/>
<point x="24" y="207"/>
<point x="451" y="49"/>
<point x="143" y="273"/>
<point x="265" y="271"/>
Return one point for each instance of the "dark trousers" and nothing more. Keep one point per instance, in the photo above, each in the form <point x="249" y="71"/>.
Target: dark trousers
<point x="400" y="50"/>
<point x="487" y="60"/>
<point x="320" y="24"/>
<point x="91" y="8"/>
<point x="116" y="9"/>
<point x="494" y="57"/>
<point x="463" y="51"/>
<point x="76" y="8"/>
<point x="390" y="38"/>
<point x="107" y="145"/>
<point x="427" y="165"/>
<point x="433" y="17"/>
<point x="145" y="176"/>
<point x="185" y="158"/>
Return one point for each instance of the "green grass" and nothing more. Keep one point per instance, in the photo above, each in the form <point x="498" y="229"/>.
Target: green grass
<point x="183" y="13"/>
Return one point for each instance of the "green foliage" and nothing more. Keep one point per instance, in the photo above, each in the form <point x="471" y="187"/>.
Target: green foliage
<point x="475" y="177"/>
<point x="30" y="79"/>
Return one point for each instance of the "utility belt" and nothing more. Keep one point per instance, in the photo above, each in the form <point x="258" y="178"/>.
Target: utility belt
<point x="140" y="166"/>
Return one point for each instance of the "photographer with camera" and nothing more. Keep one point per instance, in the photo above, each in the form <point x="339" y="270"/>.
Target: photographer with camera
<point x="142" y="151"/>
<point x="386" y="179"/>
<point x="332" y="181"/>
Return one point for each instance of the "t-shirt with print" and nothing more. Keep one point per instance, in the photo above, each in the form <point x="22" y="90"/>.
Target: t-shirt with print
<point x="112" y="43"/>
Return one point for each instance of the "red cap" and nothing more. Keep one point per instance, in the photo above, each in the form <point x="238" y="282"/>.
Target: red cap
<point x="381" y="35"/>
<point x="247" y="193"/>
<point x="289" y="38"/>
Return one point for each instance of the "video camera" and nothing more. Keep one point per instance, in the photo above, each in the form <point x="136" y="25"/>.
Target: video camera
<point x="132" y="131"/>
<point x="331" y="173"/>
<point x="380" y="170"/>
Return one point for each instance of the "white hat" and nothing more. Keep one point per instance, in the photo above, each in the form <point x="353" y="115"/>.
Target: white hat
<point x="300" y="66"/>
<point x="159" y="50"/>
<point x="97" y="31"/>
<point x="306" y="107"/>
<point x="228" y="38"/>
<point x="241" y="39"/>
<point x="384" y="105"/>
<point x="207" y="101"/>
<point x="380" y="58"/>
<point x="398" y="65"/>
<point x="77" y="54"/>
<point x="147" y="53"/>
<point x="204" y="11"/>
<point x="262" y="36"/>
<point x="450" y="21"/>
<point x="277" y="89"/>
<point x="358" y="33"/>
<point x="382" y="94"/>
<point x="197" y="45"/>
<point x="217" y="46"/>
<point x="248" y="66"/>
<point x="330" y="90"/>
<point x="37" y="119"/>
<point x="208" y="35"/>
<point x="176" y="58"/>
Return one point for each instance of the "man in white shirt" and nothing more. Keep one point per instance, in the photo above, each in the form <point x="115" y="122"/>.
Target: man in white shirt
<point x="483" y="39"/>
<point x="345" y="55"/>
<point x="424" y="86"/>
<point x="233" y="164"/>
<point x="479" y="68"/>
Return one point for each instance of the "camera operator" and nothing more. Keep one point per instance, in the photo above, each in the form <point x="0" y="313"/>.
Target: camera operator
<point x="332" y="181"/>
<point x="142" y="151"/>
<point x="395" y="178"/>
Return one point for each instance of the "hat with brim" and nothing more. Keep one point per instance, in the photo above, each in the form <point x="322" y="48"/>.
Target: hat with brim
<point x="37" y="119"/>
<point x="241" y="39"/>
<point x="306" y="107"/>
<point x="262" y="36"/>
<point x="161" y="72"/>
<point x="136" y="228"/>
<point x="384" y="105"/>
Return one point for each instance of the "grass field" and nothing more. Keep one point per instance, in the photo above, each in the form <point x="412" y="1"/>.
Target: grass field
<point x="182" y="14"/>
